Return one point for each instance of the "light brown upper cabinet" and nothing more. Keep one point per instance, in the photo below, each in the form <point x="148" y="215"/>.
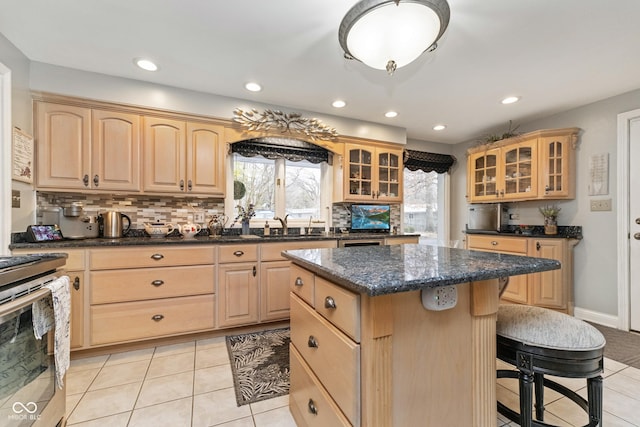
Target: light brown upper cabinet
<point x="183" y="157"/>
<point x="372" y="173"/>
<point x="536" y="165"/>
<point x="88" y="149"/>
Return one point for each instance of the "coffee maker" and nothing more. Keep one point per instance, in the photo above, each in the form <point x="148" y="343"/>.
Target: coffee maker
<point x="73" y="222"/>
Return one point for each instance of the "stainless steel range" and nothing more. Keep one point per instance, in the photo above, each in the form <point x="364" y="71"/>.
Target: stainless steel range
<point x="29" y="395"/>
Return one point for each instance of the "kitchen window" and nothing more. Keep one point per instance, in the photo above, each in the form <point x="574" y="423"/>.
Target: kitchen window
<point x="280" y="181"/>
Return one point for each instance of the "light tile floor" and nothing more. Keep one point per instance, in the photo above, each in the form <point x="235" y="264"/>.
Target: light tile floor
<point x="190" y="385"/>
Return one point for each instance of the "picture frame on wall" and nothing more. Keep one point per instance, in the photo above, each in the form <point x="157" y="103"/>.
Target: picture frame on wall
<point x="22" y="156"/>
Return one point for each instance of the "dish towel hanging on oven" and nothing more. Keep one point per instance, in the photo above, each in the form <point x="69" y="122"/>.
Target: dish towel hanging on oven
<point x="55" y="311"/>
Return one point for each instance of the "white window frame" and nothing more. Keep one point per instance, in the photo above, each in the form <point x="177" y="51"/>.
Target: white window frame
<point x="326" y="197"/>
<point x="444" y="207"/>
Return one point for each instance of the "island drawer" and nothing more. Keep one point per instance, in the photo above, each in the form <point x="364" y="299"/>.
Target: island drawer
<point x="127" y="321"/>
<point x="272" y="251"/>
<point x="109" y="286"/>
<point x="339" y="306"/>
<point x="498" y="244"/>
<point x="308" y="399"/>
<point x="150" y="256"/>
<point x="302" y="284"/>
<point x="238" y="253"/>
<point x="331" y="355"/>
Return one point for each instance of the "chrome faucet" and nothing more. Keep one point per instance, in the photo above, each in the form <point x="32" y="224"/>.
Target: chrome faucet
<point x="283" y="223"/>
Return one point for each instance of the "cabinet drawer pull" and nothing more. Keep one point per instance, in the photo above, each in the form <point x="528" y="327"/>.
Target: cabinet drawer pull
<point x="157" y="282"/>
<point x="76" y="283"/>
<point x="298" y="281"/>
<point x="238" y="253"/>
<point x="313" y="343"/>
<point x="96" y="180"/>
<point x="85" y="180"/>
<point x="255" y="271"/>
<point x="158" y="317"/>
<point x="494" y="243"/>
<point x="312" y="407"/>
<point x="157" y="257"/>
<point x="329" y="302"/>
<point x="182" y="185"/>
<point x="189" y="185"/>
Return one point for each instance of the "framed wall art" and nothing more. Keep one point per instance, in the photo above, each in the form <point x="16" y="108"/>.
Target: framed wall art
<point x="22" y="155"/>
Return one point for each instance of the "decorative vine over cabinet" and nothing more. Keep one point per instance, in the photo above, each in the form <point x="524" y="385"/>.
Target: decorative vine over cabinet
<point x="84" y="148"/>
<point x="536" y="165"/>
<point x="374" y="173"/>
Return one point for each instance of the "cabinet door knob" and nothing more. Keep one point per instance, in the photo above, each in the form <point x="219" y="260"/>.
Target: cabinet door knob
<point x="158" y="317"/>
<point x="298" y="281"/>
<point x="636" y="236"/>
<point x="494" y="243"/>
<point x="537" y="246"/>
<point x="157" y="282"/>
<point x="189" y="185"/>
<point x="182" y="185"/>
<point x="76" y="283"/>
<point x="238" y="253"/>
<point x="329" y="302"/>
<point x="255" y="271"/>
<point x="96" y="180"/>
<point x="313" y="343"/>
<point x="85" y="180"/>
<point x="312" y="407"/>
<point x="157" y="257"/>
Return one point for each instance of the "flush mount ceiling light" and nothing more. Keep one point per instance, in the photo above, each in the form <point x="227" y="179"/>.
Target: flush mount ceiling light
<point x="146" y="64"/>
<point x="338" y="103"/>
<point x="389" y="34"/>
<point x="439" y="127"/>
<point x="391" y="114"/>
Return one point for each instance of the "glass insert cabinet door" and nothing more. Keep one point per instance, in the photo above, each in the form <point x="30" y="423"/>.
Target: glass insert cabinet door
<point x="519" y="170"/>
<point x="484" y="183"/>
<point x="555" y="166"/>
<point x="388" y="175"/>
<point x="360" y="172"/>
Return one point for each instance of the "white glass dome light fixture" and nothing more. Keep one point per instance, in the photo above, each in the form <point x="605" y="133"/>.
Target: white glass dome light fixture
<point x="389" y="34"/>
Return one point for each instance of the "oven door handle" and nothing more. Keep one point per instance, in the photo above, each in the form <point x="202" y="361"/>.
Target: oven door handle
<point x="23" y="301"/>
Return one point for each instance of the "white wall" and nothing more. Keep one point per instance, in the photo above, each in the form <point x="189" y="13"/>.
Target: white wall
<point x="595" y="263"/>
<point x="21" y="117"/>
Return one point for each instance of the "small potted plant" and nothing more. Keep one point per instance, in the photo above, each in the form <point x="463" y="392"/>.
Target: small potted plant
<point x="244" y="217"/>
<point x="550" y="214"/>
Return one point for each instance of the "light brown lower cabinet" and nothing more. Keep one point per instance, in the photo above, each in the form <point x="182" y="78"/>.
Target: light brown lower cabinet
<point x="550" y="289"/>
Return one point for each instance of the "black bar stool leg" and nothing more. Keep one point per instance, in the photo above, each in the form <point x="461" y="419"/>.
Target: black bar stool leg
<point x="526" y="398"/>
<point x="594" y="397"/>
<point x="538" y="382"/>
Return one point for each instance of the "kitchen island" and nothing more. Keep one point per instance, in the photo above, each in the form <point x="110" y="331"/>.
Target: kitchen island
<point x="366" y="352"/>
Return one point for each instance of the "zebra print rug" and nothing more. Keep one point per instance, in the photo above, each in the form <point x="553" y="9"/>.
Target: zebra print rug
<point x="260" y="364"/>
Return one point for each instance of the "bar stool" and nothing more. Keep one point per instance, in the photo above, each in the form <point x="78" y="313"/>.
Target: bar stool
<point x="538" y="342"/>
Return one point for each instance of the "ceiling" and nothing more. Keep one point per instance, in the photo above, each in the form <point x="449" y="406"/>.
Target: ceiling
<point x="556" y="55"/>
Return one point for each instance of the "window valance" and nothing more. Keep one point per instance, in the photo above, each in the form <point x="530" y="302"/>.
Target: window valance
<point x="282" y="148"/>
<point x="427" y="162"/>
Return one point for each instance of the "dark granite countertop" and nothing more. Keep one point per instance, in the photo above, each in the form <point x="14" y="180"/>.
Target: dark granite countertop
<point x="380" y="270"/>
<point x="564" y="232"/>
<point x="205" y="239"/>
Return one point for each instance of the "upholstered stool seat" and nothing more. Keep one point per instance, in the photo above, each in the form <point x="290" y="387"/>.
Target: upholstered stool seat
<point x="540" y="342"/>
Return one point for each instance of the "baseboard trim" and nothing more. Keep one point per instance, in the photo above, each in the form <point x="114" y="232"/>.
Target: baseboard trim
<point x="596" y="317"/>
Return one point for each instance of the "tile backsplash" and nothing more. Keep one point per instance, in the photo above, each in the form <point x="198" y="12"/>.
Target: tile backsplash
<point x="139" y="208"/>
<point x="142" y="208"/>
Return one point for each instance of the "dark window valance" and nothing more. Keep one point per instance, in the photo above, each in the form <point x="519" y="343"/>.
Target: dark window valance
<point x="282" y="148"/>
<point x="440" y="163"/>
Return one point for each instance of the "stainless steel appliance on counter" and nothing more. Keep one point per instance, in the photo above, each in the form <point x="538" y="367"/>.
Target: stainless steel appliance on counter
<point x="73" y="221"/>
<point x="488" y="217"/>
<point x="27" y="365"/>
<point x="113" y="224"/>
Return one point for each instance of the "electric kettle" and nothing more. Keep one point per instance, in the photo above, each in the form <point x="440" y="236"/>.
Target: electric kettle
<point x="112" y="223"/>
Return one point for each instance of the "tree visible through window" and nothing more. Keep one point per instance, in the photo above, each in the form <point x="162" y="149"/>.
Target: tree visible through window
<point x="421" y="199"/>
<point x="263" y="179"/>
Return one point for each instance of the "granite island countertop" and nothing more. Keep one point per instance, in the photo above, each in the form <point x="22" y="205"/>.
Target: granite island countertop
<point x="381" y="270"/>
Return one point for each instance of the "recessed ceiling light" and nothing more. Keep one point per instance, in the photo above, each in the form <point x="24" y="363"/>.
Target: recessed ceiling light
<point x="510" y="99"/>
<point x="145" y="64"/>
<point x="339" y="103"/>
<point x="439" y="127"/>
<point x="253" y="87"/>
<point x="391" y="114"/>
